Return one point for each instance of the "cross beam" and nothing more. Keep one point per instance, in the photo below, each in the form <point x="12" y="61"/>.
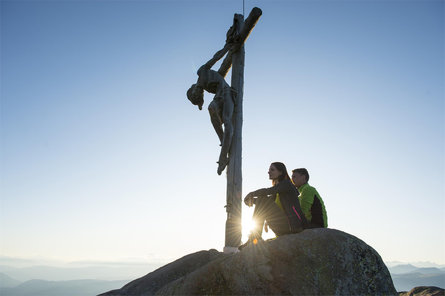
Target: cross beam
<point x="245" y="27"/>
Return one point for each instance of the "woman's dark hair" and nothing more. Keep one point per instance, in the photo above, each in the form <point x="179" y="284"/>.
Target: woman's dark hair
<point x="303" y="172"/>
<point x="281" y="168"/>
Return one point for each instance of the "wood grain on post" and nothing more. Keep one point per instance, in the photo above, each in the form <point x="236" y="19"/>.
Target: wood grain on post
<point x="234" y="174"/>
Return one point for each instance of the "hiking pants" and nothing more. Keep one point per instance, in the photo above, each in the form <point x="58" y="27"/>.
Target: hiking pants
<point x="267" y="210"/>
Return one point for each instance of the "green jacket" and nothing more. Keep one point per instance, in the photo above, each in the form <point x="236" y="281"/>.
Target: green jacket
<point x="312" y="206"/>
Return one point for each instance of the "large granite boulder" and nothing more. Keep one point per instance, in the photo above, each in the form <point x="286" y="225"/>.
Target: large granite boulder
<point x="313" y="262"/>
<point x="152" y="282"/>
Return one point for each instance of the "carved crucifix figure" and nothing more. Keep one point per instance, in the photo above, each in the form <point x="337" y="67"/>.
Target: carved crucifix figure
<point x="226" y="115"/>
<point x="222" y="106"/>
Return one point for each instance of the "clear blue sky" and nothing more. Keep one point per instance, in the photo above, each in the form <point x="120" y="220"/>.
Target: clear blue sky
<point x="104" y="158"/>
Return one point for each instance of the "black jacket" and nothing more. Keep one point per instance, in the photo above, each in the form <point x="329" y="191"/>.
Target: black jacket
<point x="289" y="200"/>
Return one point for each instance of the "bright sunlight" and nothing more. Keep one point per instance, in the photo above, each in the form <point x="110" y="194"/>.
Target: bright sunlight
<point x="248" y="224"/>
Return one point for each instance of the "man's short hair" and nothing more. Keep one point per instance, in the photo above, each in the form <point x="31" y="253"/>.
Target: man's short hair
<point x="302" y="171"/>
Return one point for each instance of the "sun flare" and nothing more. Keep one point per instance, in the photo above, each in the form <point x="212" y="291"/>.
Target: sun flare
<point x="247" y="223"/>
<point x="248" y="226"/>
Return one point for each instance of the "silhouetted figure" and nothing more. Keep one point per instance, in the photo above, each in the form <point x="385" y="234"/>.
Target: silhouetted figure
<point x="311" y="202"/>
<point x="278" y="206"/>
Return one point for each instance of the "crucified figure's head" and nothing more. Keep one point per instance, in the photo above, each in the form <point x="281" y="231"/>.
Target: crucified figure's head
<point x="195" y="94"/>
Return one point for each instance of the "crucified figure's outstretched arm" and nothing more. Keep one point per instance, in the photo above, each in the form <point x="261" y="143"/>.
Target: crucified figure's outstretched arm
<point x="217" y="56"/>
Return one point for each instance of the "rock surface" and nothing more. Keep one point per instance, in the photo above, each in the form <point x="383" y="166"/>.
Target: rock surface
<point x="313" y="262"/>
<point x="152" y="282"/>
<point x="424" y="291"/>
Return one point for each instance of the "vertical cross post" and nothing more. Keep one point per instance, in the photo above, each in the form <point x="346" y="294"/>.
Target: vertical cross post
<point x="234" y="175"/>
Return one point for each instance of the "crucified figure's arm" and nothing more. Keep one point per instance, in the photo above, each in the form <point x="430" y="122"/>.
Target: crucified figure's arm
<point x="217" y="56"/>
<point x="231" y="38"/>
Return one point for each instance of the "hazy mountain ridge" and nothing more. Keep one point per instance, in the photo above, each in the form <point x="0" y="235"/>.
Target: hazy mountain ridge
<point x="6" y="281"/>
<point x="407" y="268"/>
<point x="69" y="279"/>
<point x="407" y="276"/>
<point x="103" y="272"/>
<point x="51" y="280"/>
<point x="418" y="264"/>
<point x="58" y="288"/>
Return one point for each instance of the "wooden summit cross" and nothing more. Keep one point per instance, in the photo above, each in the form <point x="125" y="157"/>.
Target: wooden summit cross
<point x="226" y="113"/>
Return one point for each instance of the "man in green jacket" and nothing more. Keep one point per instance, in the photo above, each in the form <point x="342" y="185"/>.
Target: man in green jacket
<point x="310" y="200"/>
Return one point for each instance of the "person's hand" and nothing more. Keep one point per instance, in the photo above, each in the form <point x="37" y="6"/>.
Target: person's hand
<point x="248" y="200"/>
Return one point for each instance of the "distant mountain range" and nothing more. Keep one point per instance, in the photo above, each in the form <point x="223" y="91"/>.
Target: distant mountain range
<point x="93" y="280"/>
<point x="406" y="268"/>
<point x="116" y="271"/>
<point x="407" y="276"/>
<point x="7" y="281"/>
<point x="71" y="279"/>
<point x="418" y="264"/>
<point x="61" y="288"/>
